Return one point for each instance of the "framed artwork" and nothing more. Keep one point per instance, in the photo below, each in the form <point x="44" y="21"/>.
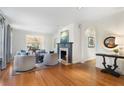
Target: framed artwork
<point x="64" y="36"/>
<point x="109" y="42"/>
<point x="91" y="42"/>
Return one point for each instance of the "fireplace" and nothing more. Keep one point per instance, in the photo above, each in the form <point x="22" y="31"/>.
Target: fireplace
<point x="65" y="52"/>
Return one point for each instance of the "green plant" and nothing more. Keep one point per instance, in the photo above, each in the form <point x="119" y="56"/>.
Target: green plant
<point x="116" y="50"/>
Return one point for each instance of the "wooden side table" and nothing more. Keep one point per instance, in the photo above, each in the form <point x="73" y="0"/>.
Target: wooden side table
<point x="108" y="68"/>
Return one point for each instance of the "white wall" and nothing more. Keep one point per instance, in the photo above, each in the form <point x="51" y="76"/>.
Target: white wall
<point x="19" y="36"/>
<point x="107" y="26"/>
<point x="55" y="40"/>
<point x="86" y="52"/>
<point x="77" y="43"/>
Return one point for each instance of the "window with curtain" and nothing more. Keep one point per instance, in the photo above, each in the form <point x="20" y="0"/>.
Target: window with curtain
<point x="33" y="41"/>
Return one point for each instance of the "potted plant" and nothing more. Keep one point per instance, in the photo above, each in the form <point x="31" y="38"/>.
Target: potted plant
<point x="116" y="51"/>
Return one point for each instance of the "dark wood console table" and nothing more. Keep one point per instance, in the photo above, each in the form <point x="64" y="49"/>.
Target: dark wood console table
<point x="108" y="68"/>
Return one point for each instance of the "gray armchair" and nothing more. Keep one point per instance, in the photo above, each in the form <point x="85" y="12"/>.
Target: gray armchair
<point x="51" y="59"/>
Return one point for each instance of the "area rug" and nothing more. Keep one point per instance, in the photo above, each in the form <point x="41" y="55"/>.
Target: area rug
<point x="38" y="66"/>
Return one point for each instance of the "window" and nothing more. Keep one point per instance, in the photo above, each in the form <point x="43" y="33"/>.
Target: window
<point x="33" y="41"/>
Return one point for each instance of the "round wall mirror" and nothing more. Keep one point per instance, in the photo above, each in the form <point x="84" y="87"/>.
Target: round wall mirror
<point x="109" y="42"/>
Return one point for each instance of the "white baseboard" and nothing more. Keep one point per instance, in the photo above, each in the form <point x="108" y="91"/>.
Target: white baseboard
<point x="87" y="59"/>
<point x="76" y="62"/>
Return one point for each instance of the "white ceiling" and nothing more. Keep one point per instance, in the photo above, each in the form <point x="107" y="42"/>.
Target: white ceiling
<point x="47" y="20"/>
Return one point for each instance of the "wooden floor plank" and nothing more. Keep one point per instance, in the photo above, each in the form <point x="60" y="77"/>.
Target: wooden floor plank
<point x="83" y="74"/>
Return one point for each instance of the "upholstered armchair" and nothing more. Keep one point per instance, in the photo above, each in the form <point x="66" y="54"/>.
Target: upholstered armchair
<point x="51" y="59"/>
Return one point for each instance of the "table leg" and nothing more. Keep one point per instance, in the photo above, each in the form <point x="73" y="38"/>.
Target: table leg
<point x="108" y="68"/>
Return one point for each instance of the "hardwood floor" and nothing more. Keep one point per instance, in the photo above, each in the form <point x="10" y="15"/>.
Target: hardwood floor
<point x="61" y="75"/>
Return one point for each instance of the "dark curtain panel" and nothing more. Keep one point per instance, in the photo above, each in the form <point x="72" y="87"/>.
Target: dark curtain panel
<point x="8" y="44"/>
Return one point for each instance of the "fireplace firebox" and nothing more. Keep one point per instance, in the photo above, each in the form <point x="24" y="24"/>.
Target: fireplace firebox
<point x="63" y="55"/>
